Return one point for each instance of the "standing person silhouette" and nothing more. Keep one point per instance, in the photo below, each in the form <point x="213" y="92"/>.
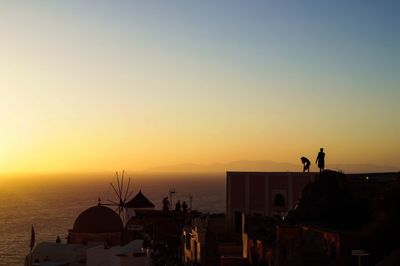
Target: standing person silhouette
<point x="178" y="206"/>
<point x="321" y="160"/>
<point x="184" y="206"/>
<point x="166" y="204"/>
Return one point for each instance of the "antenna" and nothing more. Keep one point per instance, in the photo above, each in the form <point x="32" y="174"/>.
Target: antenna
<point x="190" y="201"/>
<point x="172" y="191"/>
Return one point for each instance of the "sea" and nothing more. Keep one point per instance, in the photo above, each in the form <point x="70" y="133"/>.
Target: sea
<point x="52" y="202"/>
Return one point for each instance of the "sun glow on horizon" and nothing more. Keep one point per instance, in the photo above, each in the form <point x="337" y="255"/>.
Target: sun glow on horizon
<point x="98" y="88"/>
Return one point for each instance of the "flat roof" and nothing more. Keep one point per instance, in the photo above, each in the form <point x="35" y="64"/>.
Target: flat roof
<point x="277" y="173"/>
<point x="313" y="173"/>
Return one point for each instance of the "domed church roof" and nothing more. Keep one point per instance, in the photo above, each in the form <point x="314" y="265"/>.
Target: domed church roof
<point x="98" y="219"/>
<point x="139" y="201"/>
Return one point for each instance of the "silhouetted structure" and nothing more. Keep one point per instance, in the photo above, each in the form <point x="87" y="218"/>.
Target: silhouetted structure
<point x="259" y="238"/>
<point x="330" y="214"/>
<point x="306" y="164"/>
<point x="339" y="213"/>
<point x="97" y="224"/>
<point x="122" y="193"/>
<point x="32" y="238"/>
<point x="139" y="202"/>
<point x="321" y="160"/>
<point x="262" y="194"/>
<point x="206" y="240"/>
<point x="99" y="234"/>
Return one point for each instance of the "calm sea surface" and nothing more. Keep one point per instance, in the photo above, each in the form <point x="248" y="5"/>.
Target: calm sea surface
<point x="52" y="203"/>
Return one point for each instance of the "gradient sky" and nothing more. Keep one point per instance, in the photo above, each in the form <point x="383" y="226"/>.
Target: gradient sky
<point x="110" y="85"/>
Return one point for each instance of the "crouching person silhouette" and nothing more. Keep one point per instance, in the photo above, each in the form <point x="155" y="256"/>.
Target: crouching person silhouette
<point x="306" y="164"/>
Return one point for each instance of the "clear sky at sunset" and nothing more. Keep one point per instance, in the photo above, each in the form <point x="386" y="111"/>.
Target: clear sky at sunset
<point x="110" y="85"/>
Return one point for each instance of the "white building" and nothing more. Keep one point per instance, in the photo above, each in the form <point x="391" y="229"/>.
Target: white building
<point x="62" y="254"/>
<point x="131" y="254"/>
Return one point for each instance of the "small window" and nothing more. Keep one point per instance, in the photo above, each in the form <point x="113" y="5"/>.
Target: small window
<point x="279" y="200"/>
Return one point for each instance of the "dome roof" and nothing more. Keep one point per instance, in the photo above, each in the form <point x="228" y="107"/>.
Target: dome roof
<point x="98" y="219"/>
<point x="139" y="201"/>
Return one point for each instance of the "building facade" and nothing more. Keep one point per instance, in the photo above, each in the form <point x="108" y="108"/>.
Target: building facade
<point x="205" y="242"/>
<point x="262" y="194"/>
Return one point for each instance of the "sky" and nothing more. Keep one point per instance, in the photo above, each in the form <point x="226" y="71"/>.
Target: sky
<point x="110" y="85"/>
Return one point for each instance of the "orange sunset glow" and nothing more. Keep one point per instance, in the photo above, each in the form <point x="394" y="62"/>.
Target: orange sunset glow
<point x="89" y="92"/>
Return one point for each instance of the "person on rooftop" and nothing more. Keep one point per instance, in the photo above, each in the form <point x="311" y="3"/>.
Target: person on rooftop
<point x="184" y="207"/>
<point x="178" y="206"/>
<point x="306" y="164"/>
<point x="321" y="160"/>
<point x="166" y="204"/>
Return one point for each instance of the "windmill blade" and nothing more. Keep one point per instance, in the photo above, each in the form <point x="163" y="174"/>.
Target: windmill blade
<point x="107" y="204"/>
<point x="122" y="193"/>
<point x="119" y="188"/>
<point x="113" y="202"/>
<point x="115" y="190"/>
<point x="127" y="188"/>
<point x="122" y="182"/>
<point x="130" y="194"/>
<point x="120" y="210"/>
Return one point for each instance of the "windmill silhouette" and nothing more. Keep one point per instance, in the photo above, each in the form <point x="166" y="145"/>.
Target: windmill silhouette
<point x="122" y="196"/>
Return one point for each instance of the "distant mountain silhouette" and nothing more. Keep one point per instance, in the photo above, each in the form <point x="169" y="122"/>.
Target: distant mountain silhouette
<point x="231" y="166"/>
<point x="269" y="166"/>
<point x="364" y="168"/>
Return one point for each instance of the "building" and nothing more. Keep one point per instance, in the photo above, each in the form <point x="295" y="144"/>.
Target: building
<point x="58" y="254"/>
<point x="97" y="224"/>
<point x="99" y="237"/>
<point x="259" y="238"/>
<point x="341" y="219"/>
<point x="63" y="254"/>
<point x="262" y="194"/>
<point x="138" y="202"/>
<point x="326" y="218"/>
<point x="131" y="254"/>
<point x="206" y="241"/>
